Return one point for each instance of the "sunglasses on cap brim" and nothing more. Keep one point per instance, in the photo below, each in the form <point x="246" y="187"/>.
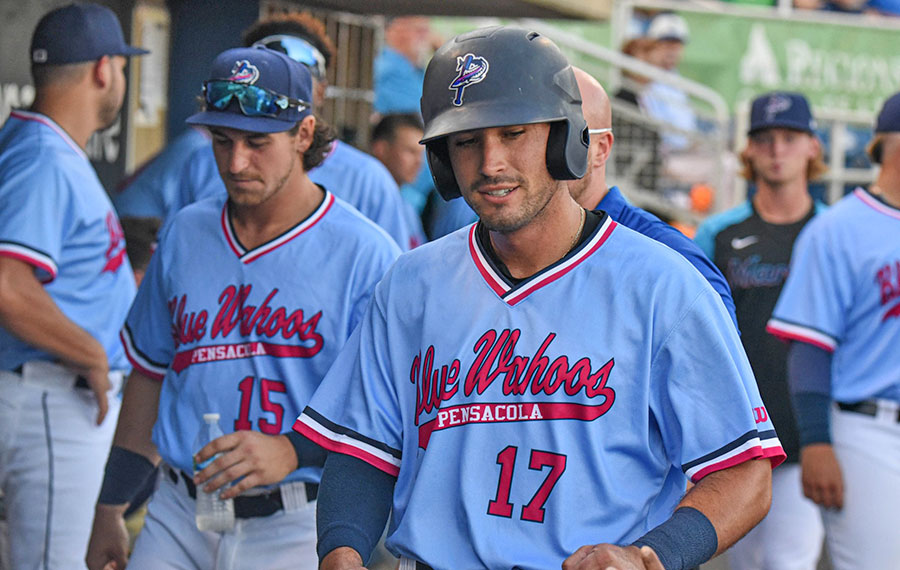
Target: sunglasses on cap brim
<point x="254" y="101"/>
<point x="297" y="49"/>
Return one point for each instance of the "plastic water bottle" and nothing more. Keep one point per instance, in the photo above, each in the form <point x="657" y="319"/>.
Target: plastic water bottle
<point x="213" y="513"/>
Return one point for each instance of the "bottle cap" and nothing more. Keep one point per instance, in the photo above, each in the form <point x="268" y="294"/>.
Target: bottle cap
<point x="212" y="417"/>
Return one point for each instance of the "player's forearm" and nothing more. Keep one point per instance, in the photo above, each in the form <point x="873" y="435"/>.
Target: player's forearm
<point x="309" y="453"/>
<point x="140" y="406"/>
<point x="353" y="505"/>
<point x="28" y="312"/>
<point x="809" y="378"/>
<point x="734" y="499"/>
<point x="133" y="456"/>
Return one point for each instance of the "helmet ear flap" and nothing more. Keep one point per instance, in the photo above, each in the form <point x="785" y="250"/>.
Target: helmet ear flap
<point x="441" y="171"/>
<point x="567" y="151"/>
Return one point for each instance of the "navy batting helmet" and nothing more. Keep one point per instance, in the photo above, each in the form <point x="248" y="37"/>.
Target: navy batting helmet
<point x="497" y="77"/>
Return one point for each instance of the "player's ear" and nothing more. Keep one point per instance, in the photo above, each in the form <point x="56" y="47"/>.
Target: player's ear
<point x="306" y="129"/>
<point x="102" y="71"/>
<point x="815" y="147"/>
<point x="604" y="147"/>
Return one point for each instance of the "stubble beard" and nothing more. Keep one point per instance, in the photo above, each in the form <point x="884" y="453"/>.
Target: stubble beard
<point x="248" y="199"/>
<point x="524" y="215"/>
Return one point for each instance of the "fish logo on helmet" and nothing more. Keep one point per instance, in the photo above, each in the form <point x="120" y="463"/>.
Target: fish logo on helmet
<point x="530" y="81"/>
<point x="472" y="69"/>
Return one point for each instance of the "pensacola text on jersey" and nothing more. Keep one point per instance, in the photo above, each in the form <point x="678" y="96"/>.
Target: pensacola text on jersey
<point x="495" y="357"/>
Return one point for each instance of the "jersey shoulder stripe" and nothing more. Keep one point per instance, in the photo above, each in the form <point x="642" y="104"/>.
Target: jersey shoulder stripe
<point x="793" y="331"/>
<point x="31" y="256"/>
<point x="139" y="360"/>
<point x="339" y="439"/>
<point x="753" y="444"/>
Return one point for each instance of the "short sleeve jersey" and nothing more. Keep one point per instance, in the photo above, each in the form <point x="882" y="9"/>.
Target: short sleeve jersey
<point x="843" y="295"/>
<point x="162" y="186"/>
<point x="249" y="333"/>
<point x="522" y="425"/>
<point x="56" y="216"/>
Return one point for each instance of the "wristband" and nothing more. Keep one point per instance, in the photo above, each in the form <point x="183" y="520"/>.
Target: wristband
<point x="126" y="473"/>
<point x="684" y="541"/>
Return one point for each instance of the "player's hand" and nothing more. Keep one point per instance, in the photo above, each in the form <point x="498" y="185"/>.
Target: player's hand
<point x="612" y="557"/>
<point x="98" y="380"/>
<point x="342" y="558"/>
<point x="108" y="547"/>
<point x="259" y="458"/>
<point x="821" y="475"/>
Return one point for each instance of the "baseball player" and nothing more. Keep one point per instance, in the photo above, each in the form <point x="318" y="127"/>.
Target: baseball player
<point x="395" y="142"/>
<point x="840" y="307"/>
<point x="65" y="288"/>
<point x="348" y="173"/>
<point x="504" y="431"/>
<point x="591" y="191"/>
<point x="245" y="305"/>
<point x="751" y="244"/>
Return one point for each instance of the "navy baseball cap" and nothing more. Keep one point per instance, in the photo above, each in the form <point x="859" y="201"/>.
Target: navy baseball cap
<point x="77" y="33"/>
<point x="889" y="117"/>
<point x="255" y="89"/>
<point x="781" y="109"/>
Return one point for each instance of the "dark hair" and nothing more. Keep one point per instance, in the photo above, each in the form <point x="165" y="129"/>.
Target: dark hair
<point x="389" y="124"/>
<point x="43" y="74"/>
<point x="140" y="239"/>
<point x="303" y="25"/>
<point x="323" y="136"/>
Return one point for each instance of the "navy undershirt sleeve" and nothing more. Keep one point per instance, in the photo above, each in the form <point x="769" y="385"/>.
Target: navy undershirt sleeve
<point x="809" y="377"/>
<point x="353" y="505"/>
<point x="309" y="453"/>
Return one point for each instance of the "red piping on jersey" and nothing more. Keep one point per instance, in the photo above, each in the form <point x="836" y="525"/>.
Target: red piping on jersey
<point x="501" y="288"/>
<point x="875" y="204"/>
<point x="345" y="448"/>
<point x="248" y="256"/>
<point x="31" y="261"/>
<point x="786" y="335"/>
<point x="497" y="286"/>
<point x="553" y="276"/>
<point x="775" y="455"/>
<point x="47" y="121"/>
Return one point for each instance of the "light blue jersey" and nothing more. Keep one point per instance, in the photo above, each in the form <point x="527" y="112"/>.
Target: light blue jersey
<point x="162" y="186"/>
<point x="351" y="175"/>
<point x="843" y="295"/>
<point x="522" y="423"/>
<point x="361" y="180"/>
<point x="249" y="333"/>
<point x="56" y="216"/>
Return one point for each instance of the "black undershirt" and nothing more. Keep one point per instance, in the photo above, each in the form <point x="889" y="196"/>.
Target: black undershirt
<point x="591" y="221"/>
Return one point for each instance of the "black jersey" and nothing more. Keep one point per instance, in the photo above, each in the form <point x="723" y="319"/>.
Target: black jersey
<point x="754" y="256"/>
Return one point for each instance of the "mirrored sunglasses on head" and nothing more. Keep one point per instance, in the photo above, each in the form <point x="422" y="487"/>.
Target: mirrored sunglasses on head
<point x="297" y="49"/>
<point x="253" y="101"/>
